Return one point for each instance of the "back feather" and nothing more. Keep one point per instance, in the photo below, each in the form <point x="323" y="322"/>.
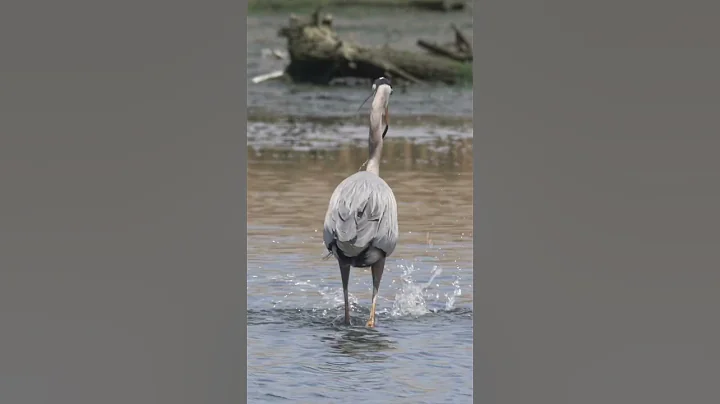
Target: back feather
<point x="362" y="212"/>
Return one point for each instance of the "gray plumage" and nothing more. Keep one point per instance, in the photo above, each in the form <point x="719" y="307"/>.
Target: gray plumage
<point x="362" y="214"/>
<point x="361" y="223"/>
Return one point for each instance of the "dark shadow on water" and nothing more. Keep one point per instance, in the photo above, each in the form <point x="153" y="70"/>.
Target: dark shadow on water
<point x="365" y="344"/>
<point x="275" y="397"/>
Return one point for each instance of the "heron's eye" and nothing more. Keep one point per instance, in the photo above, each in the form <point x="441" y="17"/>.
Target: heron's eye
<point x="360" y="215"/>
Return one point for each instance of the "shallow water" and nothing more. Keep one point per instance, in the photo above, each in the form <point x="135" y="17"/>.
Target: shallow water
<point x="298" y="349"/>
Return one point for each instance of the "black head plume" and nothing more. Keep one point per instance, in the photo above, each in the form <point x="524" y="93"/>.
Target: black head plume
<point x="380" y="81"/>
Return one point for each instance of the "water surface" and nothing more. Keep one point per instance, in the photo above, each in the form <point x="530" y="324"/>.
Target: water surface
<point x="302" y="142"/>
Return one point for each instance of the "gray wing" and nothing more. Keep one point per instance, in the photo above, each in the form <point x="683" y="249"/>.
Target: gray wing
<point x="362" y="212"/>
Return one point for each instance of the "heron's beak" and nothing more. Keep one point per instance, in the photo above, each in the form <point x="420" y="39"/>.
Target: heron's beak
<point x="363" y="103"/>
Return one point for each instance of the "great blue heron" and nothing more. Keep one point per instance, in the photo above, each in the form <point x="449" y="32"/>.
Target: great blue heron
<point x="361" y="223"/>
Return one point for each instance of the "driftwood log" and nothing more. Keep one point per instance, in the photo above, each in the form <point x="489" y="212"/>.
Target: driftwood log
<point x="318" y="55"/>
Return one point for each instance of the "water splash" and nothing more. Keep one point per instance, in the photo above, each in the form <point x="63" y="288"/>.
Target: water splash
<point x="450" y="303"/>
<point x="411" y="298"/>
<point x="333" y="298"/>
<point x="418" y="291"/>
<point x="416" y="299"/>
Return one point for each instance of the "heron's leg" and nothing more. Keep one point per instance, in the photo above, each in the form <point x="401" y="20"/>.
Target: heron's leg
<point x="345" y="274"/>
<point x="377" y="271"/>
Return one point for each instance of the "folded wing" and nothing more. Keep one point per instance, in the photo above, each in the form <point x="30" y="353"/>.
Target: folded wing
<point x="362" y="212"/>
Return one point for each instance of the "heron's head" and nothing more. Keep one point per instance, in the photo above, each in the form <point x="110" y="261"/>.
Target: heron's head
<point x="381" y="90"/>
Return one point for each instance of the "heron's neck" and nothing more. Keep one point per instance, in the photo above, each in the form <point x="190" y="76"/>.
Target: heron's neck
<point x="373" y="164"/>
<point x="376" y="140"/>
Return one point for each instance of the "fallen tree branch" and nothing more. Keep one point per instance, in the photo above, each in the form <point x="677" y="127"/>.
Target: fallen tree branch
<point x="460" y="41"/>
<point x="432" y="48"/>
<point x="318" y="55"/>
<point x="460" y="50"/>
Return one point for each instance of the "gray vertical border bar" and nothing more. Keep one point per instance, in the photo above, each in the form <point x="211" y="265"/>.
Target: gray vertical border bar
<point x="242" y="116"/>
<point x="596" y="208"/>
<point x="122" y="202"/>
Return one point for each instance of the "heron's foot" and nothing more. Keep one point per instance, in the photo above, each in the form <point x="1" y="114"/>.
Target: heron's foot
<point x="371" y="323"/>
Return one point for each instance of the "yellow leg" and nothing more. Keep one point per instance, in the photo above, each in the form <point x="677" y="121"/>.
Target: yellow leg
<point x="371" y="321"/>
<point x="377" y="271"/>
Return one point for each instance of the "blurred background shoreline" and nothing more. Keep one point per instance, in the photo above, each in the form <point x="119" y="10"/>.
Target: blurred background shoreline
<point x="256" y="6"/>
